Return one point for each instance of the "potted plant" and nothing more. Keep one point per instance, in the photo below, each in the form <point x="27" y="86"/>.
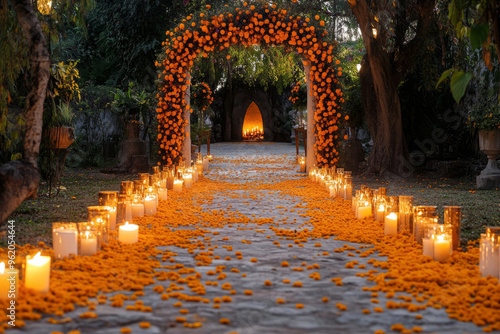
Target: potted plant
<point x="62" y="133"/>
<point x="484" y="116"/>
<point x="129" y="105"/>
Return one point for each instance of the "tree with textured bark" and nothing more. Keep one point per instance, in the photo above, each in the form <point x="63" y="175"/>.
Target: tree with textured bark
<point x="393" y="33"/>
<point x="19" y="179"/>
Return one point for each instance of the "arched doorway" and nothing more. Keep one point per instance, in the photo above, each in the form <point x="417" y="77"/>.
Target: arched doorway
<point x="253" y="127"/>
<point x="268" y="26"/>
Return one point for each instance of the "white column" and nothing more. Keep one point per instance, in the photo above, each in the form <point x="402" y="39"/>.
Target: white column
<point x="186" y="149"/>
<point x="311" y="109"/>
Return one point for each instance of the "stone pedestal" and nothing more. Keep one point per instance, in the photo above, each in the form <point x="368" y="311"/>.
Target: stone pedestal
<point x="489" y="143"/>
<point x="133" y="157"/>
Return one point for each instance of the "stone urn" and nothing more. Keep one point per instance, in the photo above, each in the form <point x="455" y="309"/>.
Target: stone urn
<point x="132" y="130"/>
<point x="489" y="143"/>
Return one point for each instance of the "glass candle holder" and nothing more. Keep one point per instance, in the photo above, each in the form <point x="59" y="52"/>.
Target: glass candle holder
<point x="405" y="214"/>
<point x="348" y="187"/>
<point x="37" y="271"/>
<point x="99" y="216"/>
<point x="489" y="254"/>
<point x="138" y="188"/>
<point x="442" y="243"/>
<point x="144" y="177"/>
<point x="170" y="178"/>
<point x="127" y="188"/>
<point x="453" y="216"/>
<point x="88" y="239"/>
<point x="205" y="164"/>
<point x="109" y="199"/>
<point x="302" y="164"/>
<point x="429" y="231"/>
<point x="64" y="240"/>
<point x="188" y="180"/>
<point x="423" y="215"/>
<point x="380" y="208"/>
<point x="124" y="209"/>
<point x="156" y="170"/>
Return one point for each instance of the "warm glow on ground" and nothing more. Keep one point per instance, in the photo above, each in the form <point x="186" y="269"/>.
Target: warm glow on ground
<point x="253" y="128"/>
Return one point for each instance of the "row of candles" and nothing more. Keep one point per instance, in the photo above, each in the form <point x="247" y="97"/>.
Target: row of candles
<point x="400" y="215"/>
<point x="112" y="218"/>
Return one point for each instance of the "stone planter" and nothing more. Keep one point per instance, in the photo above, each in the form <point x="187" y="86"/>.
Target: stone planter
<point x="132" y="130"/>
<point x="61" y="137"/>
<point x="489" y="143"/>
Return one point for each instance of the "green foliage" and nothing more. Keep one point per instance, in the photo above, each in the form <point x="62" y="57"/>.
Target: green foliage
<point x="473" y="20"/>
<point x="63" y="81"/>
<point x="130" y="103"/>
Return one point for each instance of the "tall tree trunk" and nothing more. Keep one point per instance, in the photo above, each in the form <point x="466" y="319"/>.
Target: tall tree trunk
<point x="19" y="179"/>
<point x="386" y="70"/>
<point x="388" y="153"/>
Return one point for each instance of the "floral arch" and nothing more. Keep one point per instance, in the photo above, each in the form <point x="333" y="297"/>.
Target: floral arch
<point x="265" y="25"/>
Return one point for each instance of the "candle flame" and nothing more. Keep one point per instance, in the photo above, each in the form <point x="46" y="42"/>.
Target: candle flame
<point x="126" y="223"/>
<point x="37" y="256"/>
<point x="2" y="268"/>
<point x="392" y="215"/>
<point x="381" y="207"/>
<point x="440" y="237"/>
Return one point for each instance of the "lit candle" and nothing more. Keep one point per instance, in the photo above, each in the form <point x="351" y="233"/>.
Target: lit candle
<point x="333" y="190"/>
<point x="428" y="244"/>
<point x="379" y="215"/>
<point x="38" y="273"/>
<point x="128" y="233"/>
<point x="364" y="211"/>
<point x="302" y="164"/>
<point x="178" y="185"/>
<point x="88" y="244"/>
<point x="8" y="282"/>
<point x="112" y="218"/>
<point x="128" y="212"/>
<point x="137" y="210"/>
<point x="391" y="224"/>
<point x="188" y="180"/>
<point x="442" y="248"/>
<point x="489" y="256"/>
<point x="163" y="194"/>
<point x="64" y="240"/>
<point x="150" y="205"/>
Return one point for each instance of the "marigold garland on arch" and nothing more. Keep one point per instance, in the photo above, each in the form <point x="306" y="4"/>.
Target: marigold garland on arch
<point x="267" y="26"/>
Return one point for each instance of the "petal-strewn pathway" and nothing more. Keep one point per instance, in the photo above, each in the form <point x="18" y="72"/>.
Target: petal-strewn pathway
<point x="247" y="267"/>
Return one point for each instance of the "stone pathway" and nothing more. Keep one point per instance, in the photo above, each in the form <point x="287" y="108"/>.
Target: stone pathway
<point x="260" y="312"/>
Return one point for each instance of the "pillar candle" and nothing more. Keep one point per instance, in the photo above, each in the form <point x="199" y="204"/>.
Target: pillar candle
<point x="64" y="242"/>
<point x="178" y="185"/>
<point x="162" y="193"/>
<point x="38" y="273"/>
<point x="112" y="218"/>
<point x="442" y="248"/>
<point x="428" y="244"/>
<point x="302" y="165"/>
<point x="137" y="210"/>
<point x="88" y="244"/>
<point x="354" y="205"/>
<point x="489" y="256"/>
<point x="364" y="211"/>
<point x="128" y="233"/>
<point x="188" y="180"/>
<point x="391" y="224"/>
<point x="9" y="280"/>
<point x="380" y="213"/>
<point x="150" y="205"/>
<point x="333" y="191"/>
<point x="128" y="212"/>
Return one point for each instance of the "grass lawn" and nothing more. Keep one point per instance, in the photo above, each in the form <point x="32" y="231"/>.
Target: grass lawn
<point x="34" y="217"/>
